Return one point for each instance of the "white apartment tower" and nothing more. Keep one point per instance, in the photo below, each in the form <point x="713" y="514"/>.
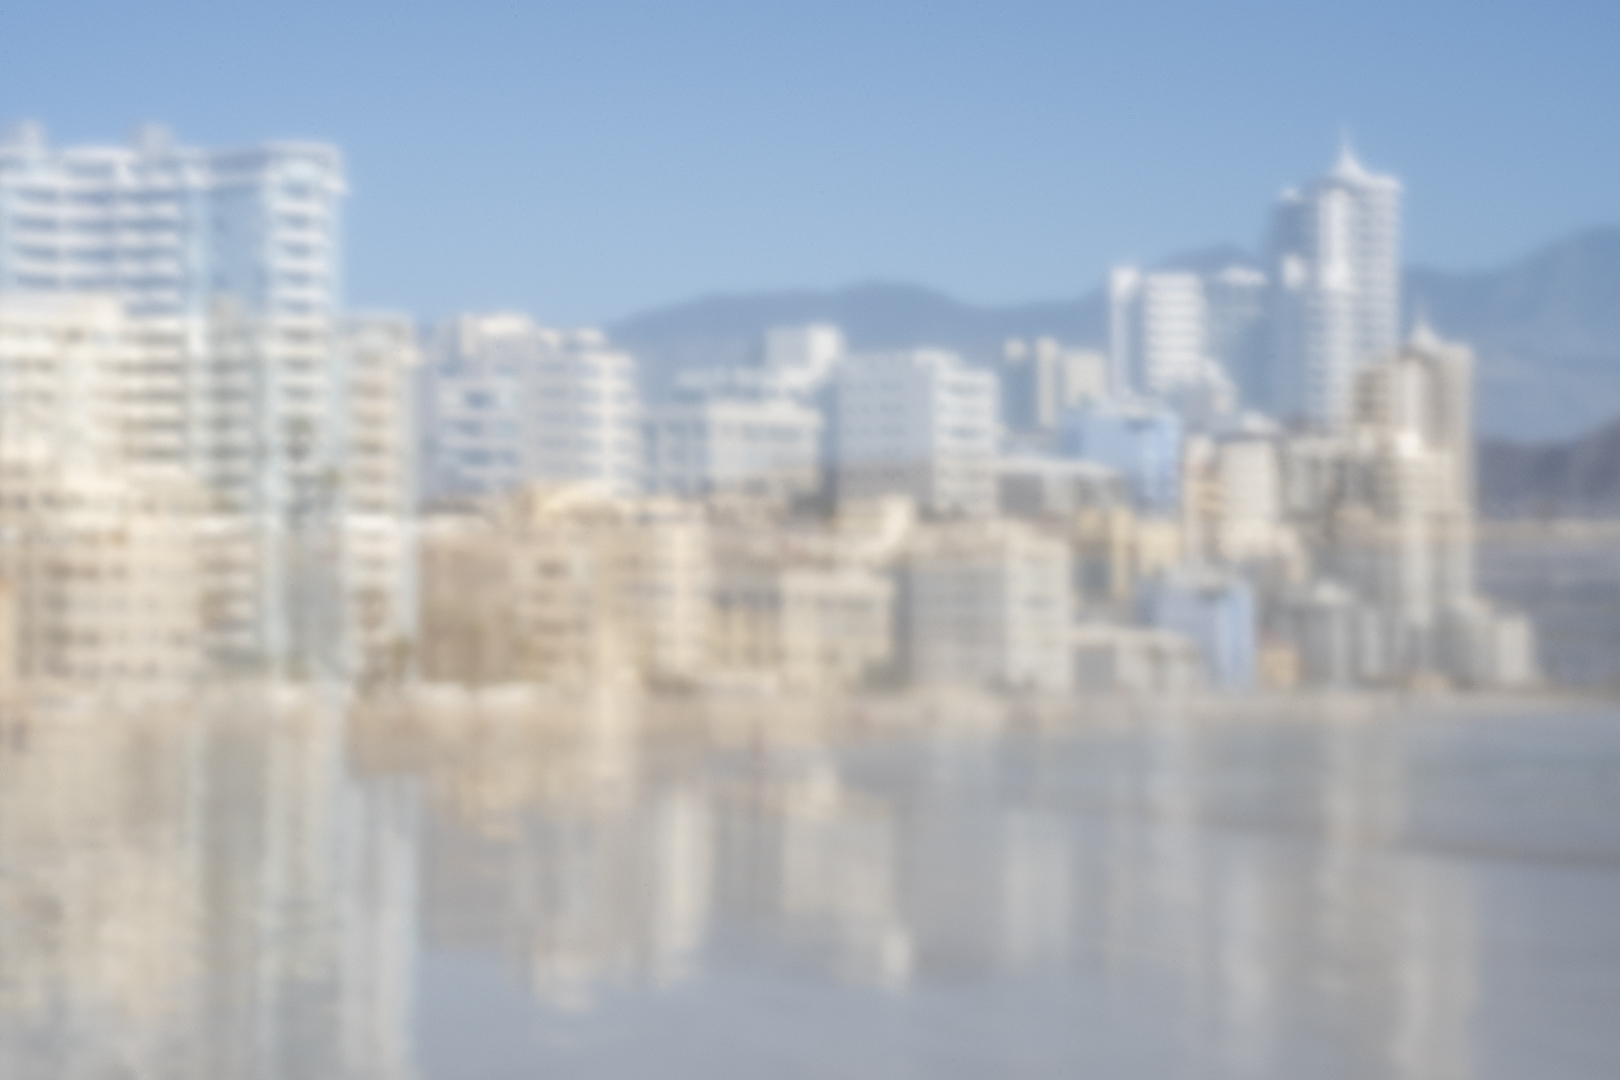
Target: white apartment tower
<point x="1161" y="341"/>
<point x="222" y="274"/>
<point x="1158" y="329"/>
<point x="921" y="423"/>
<point x="1336" y="251"/>
<point x="503" y="402"/>
<point x="169" y="228"/>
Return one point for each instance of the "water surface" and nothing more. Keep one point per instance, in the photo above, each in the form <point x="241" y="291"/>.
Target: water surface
<point x="275" y="885"/>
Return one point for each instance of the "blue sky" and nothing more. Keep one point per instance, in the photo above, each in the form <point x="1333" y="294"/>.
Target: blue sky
<point x="584" y="161"/>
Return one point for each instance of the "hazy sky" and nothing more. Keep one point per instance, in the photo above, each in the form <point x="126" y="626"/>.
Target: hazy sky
<point x="587" y="160"/>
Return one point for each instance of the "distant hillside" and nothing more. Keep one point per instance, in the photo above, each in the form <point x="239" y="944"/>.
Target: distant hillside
<point x="1547" y="332"/>
<point x="1580" y="477"/>
<point x="1546" y="328"/>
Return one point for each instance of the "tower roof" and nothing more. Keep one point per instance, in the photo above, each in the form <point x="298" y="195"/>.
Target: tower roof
<point x="1423" y="336"/>
<point x="1349" y="170"/>
<point x="1348" y="166"/>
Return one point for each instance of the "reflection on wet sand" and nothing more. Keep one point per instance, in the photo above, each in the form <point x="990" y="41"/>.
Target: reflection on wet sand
<point x="241" y="884"/>
<point x="196" y="889"/>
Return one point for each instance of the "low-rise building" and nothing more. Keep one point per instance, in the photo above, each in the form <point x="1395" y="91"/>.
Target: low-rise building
<point x="806" y="627"/>
<point x="986" y="603"/>
<point x="567" y="586"/>
<point x="103" y="570"/>
<point x="1040" y="486"/>
<point x="1137" y="439"/>
<point x="1113" y="548"/>
<point x="1110" y="658"/>
<point x="1216" y="612"/>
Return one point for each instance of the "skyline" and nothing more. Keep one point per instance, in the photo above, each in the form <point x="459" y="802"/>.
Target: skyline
<point x="715" y="148"/>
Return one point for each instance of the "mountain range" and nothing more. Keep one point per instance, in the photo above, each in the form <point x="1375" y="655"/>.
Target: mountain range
<point x="1545" y="327"/>
<point x="1580" y="477"/>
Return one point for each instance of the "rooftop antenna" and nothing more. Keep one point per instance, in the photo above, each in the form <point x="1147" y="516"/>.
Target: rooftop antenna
<point x="1422" y="335"/>
<point x="1347" y="146"/>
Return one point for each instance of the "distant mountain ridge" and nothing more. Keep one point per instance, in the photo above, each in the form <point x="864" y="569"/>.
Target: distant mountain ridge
<point x="1579" y="477"/>
<point x="1546" y="328"/>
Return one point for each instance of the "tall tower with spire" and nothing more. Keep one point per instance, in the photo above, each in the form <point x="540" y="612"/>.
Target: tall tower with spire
<point x="1335" y="251"/>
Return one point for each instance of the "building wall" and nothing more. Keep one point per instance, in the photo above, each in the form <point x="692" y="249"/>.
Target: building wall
<point x="103" y="568"/>
<point x="170" y="228"/>
<point x="1217" y="613"/>
<point x="1142" y="443"/>
<point x="378" y="521"/>
<point x="503" y="402"/>
<point x="759" y="446"/>
<point x="1043" y="378"/>
<point x="567" y="586"/>
<point x="815" y="628"/>
<point x="918" y="423"/>
<point x="1336" y="298"/>
<point x="987" y="603"/>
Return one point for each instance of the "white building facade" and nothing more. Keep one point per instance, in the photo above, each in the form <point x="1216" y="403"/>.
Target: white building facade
<point x="503" y="401"/>
<point x="215" y="276"/>
<point x="921" y="423"/>
<point x="763" y="445"/>
<point x="1335" y="250"/>
<point x="987" y="603"/>
<point x="170" y="228"/>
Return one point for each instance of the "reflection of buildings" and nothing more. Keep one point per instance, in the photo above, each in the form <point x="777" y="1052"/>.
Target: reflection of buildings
<point x="206" y="893"/>
<point x="1266" y="955"/>
<point x="551" y="848"/>
<point x="838" y="877"/>
<point x="197" y="891"/>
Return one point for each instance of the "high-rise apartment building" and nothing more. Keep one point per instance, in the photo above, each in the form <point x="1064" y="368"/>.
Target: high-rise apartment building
<point x="1161" y="342"/>
<point x="761" y="445"/>
<point x="209" y="283"/>
<point x="1336" y="280"/>
<point x="801" y="358"/>
<point x="1236" y="296"/>
<point x="1389" y="511"/>
<point x="921" y="423"/>
<point x="1158" y="328"/>
<point x="1042" y="378"/>
<point x="503" y="402"/>
<point x="170" y="228"/>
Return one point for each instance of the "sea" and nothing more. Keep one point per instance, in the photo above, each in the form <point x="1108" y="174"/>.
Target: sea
<point x="292" y="882"/>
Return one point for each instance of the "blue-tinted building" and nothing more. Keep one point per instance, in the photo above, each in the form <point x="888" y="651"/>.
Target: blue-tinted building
<point x="1217" y="612"/>
<point x="1141" y="441"/>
